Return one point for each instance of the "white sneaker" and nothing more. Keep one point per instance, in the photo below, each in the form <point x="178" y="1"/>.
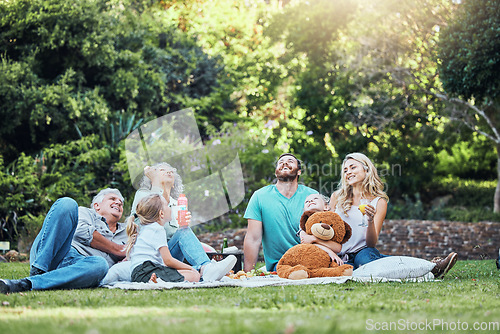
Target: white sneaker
<point x="214" y="271"/>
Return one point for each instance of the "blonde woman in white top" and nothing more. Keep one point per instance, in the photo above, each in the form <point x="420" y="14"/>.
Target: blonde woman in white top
<point x="360" y="181"/>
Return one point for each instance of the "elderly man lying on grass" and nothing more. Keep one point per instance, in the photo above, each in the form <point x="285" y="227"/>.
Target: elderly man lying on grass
<point x="76" y="245"/>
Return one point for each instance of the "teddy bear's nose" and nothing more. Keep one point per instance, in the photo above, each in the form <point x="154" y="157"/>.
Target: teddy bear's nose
<point x="325" y="226"/>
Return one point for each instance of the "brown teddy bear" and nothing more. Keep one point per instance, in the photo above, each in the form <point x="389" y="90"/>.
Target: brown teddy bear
<point x="308" y="260"/>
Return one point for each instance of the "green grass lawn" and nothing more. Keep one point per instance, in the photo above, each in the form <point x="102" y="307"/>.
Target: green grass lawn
<point x="468" y="296"/>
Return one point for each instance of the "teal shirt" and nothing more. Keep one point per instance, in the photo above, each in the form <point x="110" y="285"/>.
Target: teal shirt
<point x="280" y="218"/>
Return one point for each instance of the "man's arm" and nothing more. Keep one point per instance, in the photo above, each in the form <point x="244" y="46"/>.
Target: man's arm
<point x="251" y="244"/>
<point x="101" y="243"/>
<point x="87" y="234"/>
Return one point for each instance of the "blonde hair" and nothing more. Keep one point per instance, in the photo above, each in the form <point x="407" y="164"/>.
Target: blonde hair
<point x="177" y="188"/>
<point x="326" y="199"/>
<point x="372" y="184"/>
<point x="148" y="212"/>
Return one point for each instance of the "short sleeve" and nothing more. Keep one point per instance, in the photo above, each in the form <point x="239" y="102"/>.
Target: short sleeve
<point x="86" y="227"/>
<point x="253" y="210"/>
<point x="155" y="237"/>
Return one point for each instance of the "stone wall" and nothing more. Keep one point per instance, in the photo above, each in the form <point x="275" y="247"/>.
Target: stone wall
<point x="426" y="239"/>
<point x="423" y="239"/>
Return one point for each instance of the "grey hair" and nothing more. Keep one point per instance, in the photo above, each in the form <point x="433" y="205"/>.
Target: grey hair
<point x="100" y="196"/>
<point x="178" y="187"/>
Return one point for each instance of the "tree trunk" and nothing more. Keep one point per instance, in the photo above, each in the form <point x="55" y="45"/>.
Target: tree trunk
<point x="496" y="200"/>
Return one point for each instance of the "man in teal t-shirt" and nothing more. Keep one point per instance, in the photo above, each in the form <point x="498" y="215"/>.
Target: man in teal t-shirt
<point x="273" y="215"/>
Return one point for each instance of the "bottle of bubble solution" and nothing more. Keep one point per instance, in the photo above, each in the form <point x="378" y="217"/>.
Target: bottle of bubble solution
<point x="182" y="204"/>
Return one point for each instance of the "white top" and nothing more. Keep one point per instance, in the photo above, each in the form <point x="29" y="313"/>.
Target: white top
<point x="358" y="238"/>
<point x="147" y="246"/>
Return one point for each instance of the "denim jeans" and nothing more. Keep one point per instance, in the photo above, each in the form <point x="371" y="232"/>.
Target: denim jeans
<point x="185" y="245"/>
<point x="52" y="252"/>
<point x="364" y="256"/>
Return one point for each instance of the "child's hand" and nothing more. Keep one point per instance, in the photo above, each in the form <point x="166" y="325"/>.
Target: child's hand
<point x="306" y="238"/>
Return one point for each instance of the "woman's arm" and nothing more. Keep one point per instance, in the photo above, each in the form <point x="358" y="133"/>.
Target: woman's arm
<point x="172" y="262"/>
<point x="375" y="221"/>
<point x="333" y="256"/>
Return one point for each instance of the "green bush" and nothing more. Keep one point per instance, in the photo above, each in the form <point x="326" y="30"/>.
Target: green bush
<point x="406" y="208"/>
<point x="83" y="63"/>
<point x="451" y="199"/>
<point x="470" y="214"/>
<point x="465" y="192"/>
<point x="31" y="184"/>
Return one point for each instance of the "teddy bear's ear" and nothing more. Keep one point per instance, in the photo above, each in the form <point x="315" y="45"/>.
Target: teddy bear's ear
<point x="348" y="233"/>
<point x="304" y="218"/>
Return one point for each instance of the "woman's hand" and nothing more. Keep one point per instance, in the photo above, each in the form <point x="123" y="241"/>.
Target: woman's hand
<point x="370" y="213"/>
<point x="188" y="218"/>
<point x="336" y="258"/>
<point x="152" y="173"/>
<point x="331" y="253"/>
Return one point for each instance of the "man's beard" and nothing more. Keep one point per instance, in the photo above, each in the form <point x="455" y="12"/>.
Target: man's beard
<point x="287" y="176"/>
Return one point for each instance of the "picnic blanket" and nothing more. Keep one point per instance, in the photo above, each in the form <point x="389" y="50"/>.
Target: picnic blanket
<point x="255" y="282"/>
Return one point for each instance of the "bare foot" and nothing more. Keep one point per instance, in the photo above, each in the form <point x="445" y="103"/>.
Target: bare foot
<point x="153" y="278"/>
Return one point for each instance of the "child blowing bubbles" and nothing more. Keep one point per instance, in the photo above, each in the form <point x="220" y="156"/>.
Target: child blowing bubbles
<point x="318" y="203"/>
<point x="147" y="246"/>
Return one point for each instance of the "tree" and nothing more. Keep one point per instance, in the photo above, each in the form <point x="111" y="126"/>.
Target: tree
<point x="469" y="52"/>
<point x="364" y="81"/>
<point x="84" y="63"/>
<point x="75" y="78"/>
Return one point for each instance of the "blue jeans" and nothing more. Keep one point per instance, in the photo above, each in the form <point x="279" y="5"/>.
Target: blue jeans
<point x="52" y="252"/>
<point x="364" y="256"/>
<point x="185" y="245"/>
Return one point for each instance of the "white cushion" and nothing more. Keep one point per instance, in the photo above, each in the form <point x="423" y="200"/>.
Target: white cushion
<point x="396" y="267"/>
<point x="118" y="272"/>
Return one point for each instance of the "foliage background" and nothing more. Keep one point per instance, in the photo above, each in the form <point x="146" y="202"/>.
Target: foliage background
<point x="319" y="78"/>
